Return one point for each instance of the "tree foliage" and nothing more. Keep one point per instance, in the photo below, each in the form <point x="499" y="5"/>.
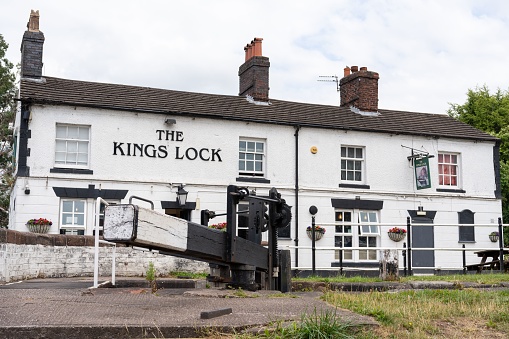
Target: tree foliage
<point x="7" y="113"/>
<point x="490" y="113"/>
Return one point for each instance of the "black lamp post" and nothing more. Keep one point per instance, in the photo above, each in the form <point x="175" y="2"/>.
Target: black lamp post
<point x="182" y="196"/>
<point x="313" y="210"/>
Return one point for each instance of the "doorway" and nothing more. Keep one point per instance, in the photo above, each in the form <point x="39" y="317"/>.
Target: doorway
<point x="423" y="261"/>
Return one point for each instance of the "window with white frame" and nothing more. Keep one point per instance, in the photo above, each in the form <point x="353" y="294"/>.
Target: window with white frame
<point x="72" y="145"/>
<point x="448" y="169"/>
<point x="352" y="163"/>
<point x="356" y="228"/>
<point x="252" y="157"/>
<point x="368" y="234"/>
<point x="343" y="236"/>
<point x="72" y="216"/>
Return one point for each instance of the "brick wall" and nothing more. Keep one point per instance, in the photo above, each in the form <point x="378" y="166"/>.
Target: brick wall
<point x="25" y="255"/>
<point x="360" y="89"/>
<point x="254" y="78"/>
<point x="31" y="50"/>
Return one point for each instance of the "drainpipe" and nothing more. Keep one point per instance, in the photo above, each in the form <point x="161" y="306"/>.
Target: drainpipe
<point x="297" y="129"/>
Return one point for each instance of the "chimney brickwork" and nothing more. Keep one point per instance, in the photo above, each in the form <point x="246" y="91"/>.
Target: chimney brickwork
<point x="254" y="73"/>
<point x="359" y="88"/>
<point x="31" y="48"/>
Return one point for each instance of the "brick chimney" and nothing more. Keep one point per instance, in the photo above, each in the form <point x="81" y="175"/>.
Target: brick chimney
<point x="31" y="48"/>
<point x="359" y="88"/>
<point x="254" y="73"/>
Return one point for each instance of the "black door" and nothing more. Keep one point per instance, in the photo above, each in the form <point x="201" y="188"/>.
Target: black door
<point x="423" y="261"/>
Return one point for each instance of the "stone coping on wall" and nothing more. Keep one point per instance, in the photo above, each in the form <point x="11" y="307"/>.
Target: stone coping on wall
<point x="27" y="238"/>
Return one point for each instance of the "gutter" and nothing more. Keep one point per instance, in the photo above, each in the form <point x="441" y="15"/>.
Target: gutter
<point x="296" y="240"/>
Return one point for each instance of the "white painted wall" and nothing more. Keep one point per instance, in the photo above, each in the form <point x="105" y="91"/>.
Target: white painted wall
<point x="388" y="172"/>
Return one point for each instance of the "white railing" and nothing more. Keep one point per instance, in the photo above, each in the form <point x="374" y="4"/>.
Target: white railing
<point x="96" y="245"/>
<point x="406" y="249"/>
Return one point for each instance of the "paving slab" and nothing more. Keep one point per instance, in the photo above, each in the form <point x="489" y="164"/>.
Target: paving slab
<point x="134" y="312"/>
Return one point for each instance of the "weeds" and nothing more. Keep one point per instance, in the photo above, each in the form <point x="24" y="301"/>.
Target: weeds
<point x="325" y="324"/>
<point x="151" y="276"/>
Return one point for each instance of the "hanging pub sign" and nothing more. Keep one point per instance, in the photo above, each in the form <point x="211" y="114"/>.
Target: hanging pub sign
<point x="422" y="178"/>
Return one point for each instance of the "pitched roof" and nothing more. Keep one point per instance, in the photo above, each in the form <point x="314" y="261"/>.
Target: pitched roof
<point x="58" y="91"/>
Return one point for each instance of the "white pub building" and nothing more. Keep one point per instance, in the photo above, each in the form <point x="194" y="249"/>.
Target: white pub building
<point x="366" y="169"/>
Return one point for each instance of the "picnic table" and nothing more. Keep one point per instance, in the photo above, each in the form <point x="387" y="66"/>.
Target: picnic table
<point x="485" y="264"/>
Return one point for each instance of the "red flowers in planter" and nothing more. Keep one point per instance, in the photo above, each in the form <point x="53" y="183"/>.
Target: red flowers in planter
<point x="221" y="226"/>
<point x="40" y="221"/>
<point x="397" y="230"/>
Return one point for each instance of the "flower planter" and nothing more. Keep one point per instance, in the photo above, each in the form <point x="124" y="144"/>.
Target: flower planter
<point x="38" y="228"/>
<point x="318" y="234"/>
<point x="493" y="238"/>
<point x="396" y="236"/>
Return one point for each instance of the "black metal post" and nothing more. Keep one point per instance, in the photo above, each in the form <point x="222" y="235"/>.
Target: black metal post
<point x="296" y="240"/>
<point x="409" y="231"/>
<point x="231" y="222"/>
<point x="341" y="261"/>
<point x="204" y="217"/>
<point x="501" y="244"/>
<point x="313" y="248"/>
<point x="464" y="260"/>
<point x="313" y="210"/>
<point x="404" y="259"/>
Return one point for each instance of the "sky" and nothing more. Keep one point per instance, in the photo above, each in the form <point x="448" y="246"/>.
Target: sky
<point x="427" y="53"/>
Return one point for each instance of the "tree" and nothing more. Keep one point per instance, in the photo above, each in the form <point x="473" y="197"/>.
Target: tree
<point x="7" y="113"/>
<point x="490" y="113"/>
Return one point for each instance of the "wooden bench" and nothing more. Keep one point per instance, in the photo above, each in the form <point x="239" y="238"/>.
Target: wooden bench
<point x="491" y="265"/>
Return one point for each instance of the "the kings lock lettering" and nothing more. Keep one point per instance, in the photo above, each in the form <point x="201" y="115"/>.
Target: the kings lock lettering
<point x="161" y="151"/>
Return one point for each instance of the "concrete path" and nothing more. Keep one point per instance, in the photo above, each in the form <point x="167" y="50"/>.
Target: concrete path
<point x="66" y="308"/>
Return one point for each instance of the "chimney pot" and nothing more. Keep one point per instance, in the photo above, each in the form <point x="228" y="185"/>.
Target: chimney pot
<point x="248" y="51"/>
<point x="364" y="68"/>
<point x="257" y="46"/>
<point x="33" y="21"/>
<point x="355" y="69"/>
<point x="346" y="71"/>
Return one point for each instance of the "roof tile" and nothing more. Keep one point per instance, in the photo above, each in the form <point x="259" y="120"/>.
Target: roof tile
<point x="58" y="91"/>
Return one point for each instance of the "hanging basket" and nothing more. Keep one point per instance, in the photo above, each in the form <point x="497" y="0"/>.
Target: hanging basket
<point x="493" y="238"/>
<point x="396" y="236"/>
<point x="318" y="234"/>
<point x="38" y="228"/>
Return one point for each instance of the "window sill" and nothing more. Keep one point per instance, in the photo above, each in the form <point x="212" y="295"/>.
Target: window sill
<point x="451" y="190"/>
<point x="253" y="179"/>
<point x="71" y="170"/>
<point x="466" y="241"/>
<point x="359" y="186"/>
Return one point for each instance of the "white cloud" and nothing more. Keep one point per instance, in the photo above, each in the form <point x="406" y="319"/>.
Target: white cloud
<point x="428" y="53"/>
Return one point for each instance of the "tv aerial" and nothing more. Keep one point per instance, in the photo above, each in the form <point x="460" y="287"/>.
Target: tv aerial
<point x="330" y="78"/>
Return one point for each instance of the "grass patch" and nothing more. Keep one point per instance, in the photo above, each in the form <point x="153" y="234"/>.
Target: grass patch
<point x="281" y="295"/>
<point x="488" y="278"/>
<point x="338" y="278"/>
<point x="187" y="275"/>
<point x="429" y="313"/>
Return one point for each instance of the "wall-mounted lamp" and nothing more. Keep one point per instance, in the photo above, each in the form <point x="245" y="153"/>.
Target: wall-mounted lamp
<point x="27" y="189"/>
<point x="169" y="121"/>
<point x="182" y="196"/>
<point x="421" y="211"/>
